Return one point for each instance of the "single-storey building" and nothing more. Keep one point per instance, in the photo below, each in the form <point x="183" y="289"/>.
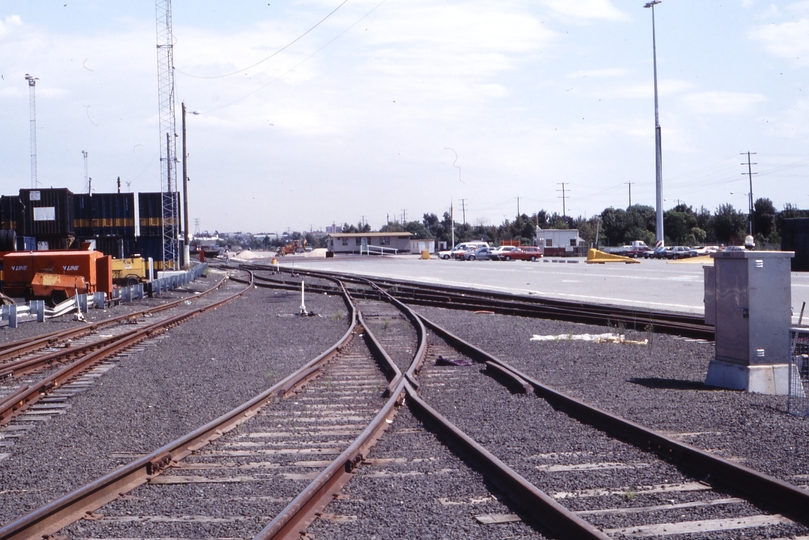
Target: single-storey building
<point x="370" y="243"/>
<point x="557" y="242"/>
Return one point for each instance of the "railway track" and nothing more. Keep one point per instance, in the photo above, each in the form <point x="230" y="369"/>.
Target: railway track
<point x="470" y="299"/>
<point x="46" y="378"/>
<point x="522" y="493"/>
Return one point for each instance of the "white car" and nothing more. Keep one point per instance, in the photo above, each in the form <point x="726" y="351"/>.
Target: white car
<point x="499" y="253"/>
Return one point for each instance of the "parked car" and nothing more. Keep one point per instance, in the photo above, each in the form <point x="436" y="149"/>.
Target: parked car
<point x="658" y="253"/>
<point x="678" y="252"/>
<point x="704" y="250"/>
<point x="498" y="254"/>
<point x="638" y="251"/>
<point x="479" y="254"/>
<point x="463" y="247"/>
<point x="524" y="253"/>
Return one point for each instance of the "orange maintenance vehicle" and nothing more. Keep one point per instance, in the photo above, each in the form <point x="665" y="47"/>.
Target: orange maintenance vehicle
<point x="56" y="275"/>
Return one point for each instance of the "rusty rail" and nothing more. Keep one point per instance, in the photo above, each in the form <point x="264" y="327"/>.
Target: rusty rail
<point x="764" y="490"/>
<point x="18" y="348"/>
<point x="66" y="510"/>
<point x="16" y="403"/>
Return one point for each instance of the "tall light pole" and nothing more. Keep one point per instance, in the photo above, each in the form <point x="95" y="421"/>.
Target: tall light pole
<point x="32" y="104"/>
<point x="658" y="144"/>
<point x="186" y="234"/>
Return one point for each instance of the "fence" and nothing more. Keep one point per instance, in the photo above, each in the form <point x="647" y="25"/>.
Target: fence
<point x="82" y="302"/>
<point x="798" y="402"/>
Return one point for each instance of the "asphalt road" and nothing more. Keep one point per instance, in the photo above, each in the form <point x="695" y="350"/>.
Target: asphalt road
<point x="670" y="286"/>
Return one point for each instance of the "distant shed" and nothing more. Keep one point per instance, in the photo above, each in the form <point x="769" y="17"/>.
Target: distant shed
<point x="375" y="243"/>
<point x="559" y="242"/>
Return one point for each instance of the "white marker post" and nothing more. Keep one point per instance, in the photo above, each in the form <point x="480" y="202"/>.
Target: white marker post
<point x="303" y="304"/>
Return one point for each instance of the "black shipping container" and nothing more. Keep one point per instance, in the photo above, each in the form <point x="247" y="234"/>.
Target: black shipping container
<point x="151" y="247"/>
<point x="795" y="237"/>
<point x="82" y="215"/>
<point x="47" y="212"/>
<point x="117" y="246"/>
<point x="150" y="209"/>
<point x="10" y="212"/>
<point x="114" y="214"/>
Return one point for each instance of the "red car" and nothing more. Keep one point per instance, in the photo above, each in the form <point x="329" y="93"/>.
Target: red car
<point x="523" y="253"/>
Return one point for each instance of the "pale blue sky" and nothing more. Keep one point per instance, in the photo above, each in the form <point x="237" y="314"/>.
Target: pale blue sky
<point x="337" y="127"/>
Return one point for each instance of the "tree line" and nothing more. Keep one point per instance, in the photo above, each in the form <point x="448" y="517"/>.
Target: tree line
<point x="682" y="225"/>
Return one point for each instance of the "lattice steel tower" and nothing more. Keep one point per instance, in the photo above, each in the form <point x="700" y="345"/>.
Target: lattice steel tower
<point x="168" y="135"/>
<point x="32" y="102"/>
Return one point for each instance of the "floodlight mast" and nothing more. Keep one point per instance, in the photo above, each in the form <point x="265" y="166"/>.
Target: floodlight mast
<point x="32" y="83"/>
<point x="168" y="134"/>
<point x="658" y="143"/>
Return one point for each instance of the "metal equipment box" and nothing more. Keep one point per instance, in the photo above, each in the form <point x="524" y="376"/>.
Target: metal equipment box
<point x="748" y="297"/>
<point x="753" y="306"/>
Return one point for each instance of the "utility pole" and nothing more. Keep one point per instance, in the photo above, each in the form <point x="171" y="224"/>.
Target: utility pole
<point x="404" y="216"/>
<point x="630" y="192"/>
<point x="518" y="207"/>
<point x="658" y="142"/>
<point x="750" y="174"/>
<point x="452" y="221"/>
<point x="32" y="103"/>
<point x="564" y="195"/>
<point x="463" y="210"/>
<point x="86" y="176"/>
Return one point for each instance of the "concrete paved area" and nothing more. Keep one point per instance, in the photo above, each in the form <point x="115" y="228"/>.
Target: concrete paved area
<point x="670" y="286"/>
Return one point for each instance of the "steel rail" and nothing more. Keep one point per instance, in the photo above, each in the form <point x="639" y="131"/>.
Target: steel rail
<point x="67" y="509"/>
<point x="298" y="514"/>
<point x="293" y="520"/>
<point x="27" y="365"/>
<point x="17" y="402"/>
<point x="764" y="490"/>
<point x="547" y="511"/>
<point x="18" y="348"/>
<point x="529" y="306"/>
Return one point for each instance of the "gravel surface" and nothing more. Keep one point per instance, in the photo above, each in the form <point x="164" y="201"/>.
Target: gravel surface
<point x="276" y="453"/>
<point x="413" y="486"/>
<point x="392" y="329"/>
<point x="658" y="385"/>
<point x="562" y="456"/>
<point x="191" y="375"/>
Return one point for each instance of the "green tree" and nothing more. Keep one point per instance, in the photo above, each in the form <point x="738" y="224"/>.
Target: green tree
<point x="678" y="226"/>
<point x="764" y="217"/>
<point x="729" y="223"/>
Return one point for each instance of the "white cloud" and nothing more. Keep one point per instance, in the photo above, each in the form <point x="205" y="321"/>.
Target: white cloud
<point x="718" y="102"/>
<point x="789" y="40"/>
<point x="587" y="10"/>
<point x="9" y="22"/>
<point x="600" y="73"/>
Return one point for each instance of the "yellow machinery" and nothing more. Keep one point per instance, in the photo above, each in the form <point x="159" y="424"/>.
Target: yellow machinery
<point x="128" y="272"/>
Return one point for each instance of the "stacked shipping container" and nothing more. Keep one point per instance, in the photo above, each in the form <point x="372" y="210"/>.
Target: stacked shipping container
<point x="122" y="224"/>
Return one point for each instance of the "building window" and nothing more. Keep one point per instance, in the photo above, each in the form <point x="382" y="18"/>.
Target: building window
<point x="548" y="242"/>
<point x="345" y="241"/>
<point x="384" y="240"/>
<point x="573" y="242"/>
<point x="358" y="240"/>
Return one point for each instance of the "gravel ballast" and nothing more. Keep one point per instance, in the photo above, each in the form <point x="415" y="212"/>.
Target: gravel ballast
<point x="659" y="385"/>
<point x="191" y="375"/>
